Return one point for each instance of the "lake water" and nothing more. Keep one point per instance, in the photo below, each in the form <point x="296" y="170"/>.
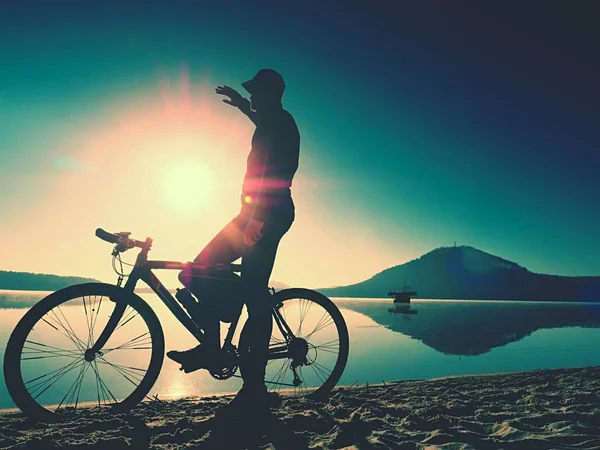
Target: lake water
<point x="427" y="339"/>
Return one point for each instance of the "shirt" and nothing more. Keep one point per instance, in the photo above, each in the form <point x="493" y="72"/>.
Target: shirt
<point x="271" y="165"/>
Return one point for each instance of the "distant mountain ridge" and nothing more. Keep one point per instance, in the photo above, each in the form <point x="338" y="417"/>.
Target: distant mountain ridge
<point x="467" y="273"/>
<point x="26" y="281"/>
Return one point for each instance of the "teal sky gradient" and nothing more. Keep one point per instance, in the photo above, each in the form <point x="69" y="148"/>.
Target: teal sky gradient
<point x="411" y="137"/>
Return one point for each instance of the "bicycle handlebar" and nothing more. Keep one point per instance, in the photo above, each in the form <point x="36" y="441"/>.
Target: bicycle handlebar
<point x="121" y="239"/>
<point x="123" y="243"/>
<point x="106" y="236"/>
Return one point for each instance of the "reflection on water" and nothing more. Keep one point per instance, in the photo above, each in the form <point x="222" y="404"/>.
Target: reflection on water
<point x="20" y="299"/>
<point x="449" y="338"/>
<point x="475" y="327"/>
<point x="442" y="338"/>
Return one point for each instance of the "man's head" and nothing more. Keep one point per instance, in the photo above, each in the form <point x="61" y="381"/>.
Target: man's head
<point x="266" y="89"/>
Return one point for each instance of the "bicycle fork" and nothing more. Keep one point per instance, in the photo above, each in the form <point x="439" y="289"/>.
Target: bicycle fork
<point x="113" y="320"/>
<point x="110" y="327"/>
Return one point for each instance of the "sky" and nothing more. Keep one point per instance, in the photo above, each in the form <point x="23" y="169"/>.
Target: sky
<point x="422" y="124"/>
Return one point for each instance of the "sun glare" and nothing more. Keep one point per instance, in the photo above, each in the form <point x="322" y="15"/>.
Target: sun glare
<point x="187" y="187"/>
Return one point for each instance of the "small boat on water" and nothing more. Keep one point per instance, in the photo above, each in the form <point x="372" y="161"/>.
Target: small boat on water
<point x="402" y="296"/>
<point x="402" y="302"/>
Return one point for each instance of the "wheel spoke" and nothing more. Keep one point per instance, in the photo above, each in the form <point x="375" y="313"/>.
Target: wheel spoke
<point x="121" y="371"/>
<point x="87" y="321"/>
<point x="303" y="309"/>
<point x="130" y="370"/>
<point x="80" y="384"/>
<point x="142" y="339"/>
<point x="333" y="352"/>
<point x="324" y="370"/>
<point x="58" y="377"/>
<point x="96" y="319"/>
<point x="303" y="314"/>
<point x="43" y="375"/>
<point x="317" y="373"/>
<point x="126" y="318"/>
<point x="328" y="344"/>
<point x="280" y="373"/>
<point x="55" y="373"/>
<point x="321" y="325"/>
<point x="74" y="386"/>
<point x="281" y="384"/>
<point x="329" y="347"/>
<point x="97" y="383"/>
<point x="50" y="346"/>
<point x="69" y="325"/>
<point x="103" y="384"/>
<point x="65" y="332"/>
<point x="52" y="353"/>
<point x="50" y="356"/>
<point x="90" y="319"/>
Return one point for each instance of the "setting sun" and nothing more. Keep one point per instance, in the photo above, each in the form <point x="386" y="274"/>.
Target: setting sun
<point x="187" y="187"/>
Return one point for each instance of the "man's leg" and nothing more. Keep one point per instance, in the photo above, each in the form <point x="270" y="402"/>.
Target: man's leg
<point x="225" y="247"/>
<point x="257" y="265"/>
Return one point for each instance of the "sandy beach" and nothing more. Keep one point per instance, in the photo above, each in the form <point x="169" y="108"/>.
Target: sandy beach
<point x="545" y="409"/>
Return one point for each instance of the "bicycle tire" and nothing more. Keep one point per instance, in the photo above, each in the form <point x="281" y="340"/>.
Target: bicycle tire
<point x="14" y="349"/>
<point x="342" y="330"/>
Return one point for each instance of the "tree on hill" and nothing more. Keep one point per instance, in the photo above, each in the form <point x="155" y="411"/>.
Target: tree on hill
<point x="27" y="281"/>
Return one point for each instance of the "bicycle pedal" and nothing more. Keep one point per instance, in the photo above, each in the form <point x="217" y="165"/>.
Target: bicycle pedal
<point x="185" y="369"/>
<point x="191" y="369"/>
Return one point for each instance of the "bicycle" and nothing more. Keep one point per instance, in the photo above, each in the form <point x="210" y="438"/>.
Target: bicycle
<point x="60" y="331"/>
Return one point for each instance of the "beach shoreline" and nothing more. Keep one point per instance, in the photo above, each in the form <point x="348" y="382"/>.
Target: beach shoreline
<point x="545" y="409"/>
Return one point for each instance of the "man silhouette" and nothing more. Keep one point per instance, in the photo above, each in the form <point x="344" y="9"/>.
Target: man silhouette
<point x="267" y="212"/>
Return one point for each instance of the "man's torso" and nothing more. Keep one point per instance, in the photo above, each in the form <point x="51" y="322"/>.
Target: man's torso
<point x="272" y="162"/>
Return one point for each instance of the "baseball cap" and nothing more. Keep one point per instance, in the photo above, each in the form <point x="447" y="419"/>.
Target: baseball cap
<point x="266" y="81"/>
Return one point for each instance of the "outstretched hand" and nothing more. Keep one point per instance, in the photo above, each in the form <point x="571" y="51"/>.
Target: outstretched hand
<point x="235" y="98"/>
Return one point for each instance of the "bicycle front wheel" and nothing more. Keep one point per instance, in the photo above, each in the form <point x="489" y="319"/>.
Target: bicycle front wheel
<point x="309" y="345"/>
<point x="50" y="374"/>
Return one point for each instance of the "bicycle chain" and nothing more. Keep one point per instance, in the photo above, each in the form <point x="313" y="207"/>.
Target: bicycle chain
<point x="231" y="357"/>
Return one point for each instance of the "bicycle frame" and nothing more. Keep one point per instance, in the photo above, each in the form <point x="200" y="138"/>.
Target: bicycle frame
<point x="142" y="270"/>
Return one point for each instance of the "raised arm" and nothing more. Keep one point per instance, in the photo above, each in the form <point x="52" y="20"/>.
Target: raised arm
<point x="245" y="108"/>
<point x="235" y="99"/>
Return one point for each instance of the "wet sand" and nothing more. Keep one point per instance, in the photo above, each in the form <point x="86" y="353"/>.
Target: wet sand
<point x="545" y="409"/>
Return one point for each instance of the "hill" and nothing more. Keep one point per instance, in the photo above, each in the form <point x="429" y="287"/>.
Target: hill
<point x="25" y="281"/>
<point x="468" y="273"/>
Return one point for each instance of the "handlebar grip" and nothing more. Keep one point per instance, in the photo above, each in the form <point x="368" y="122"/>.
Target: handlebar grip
<point x="106" y="236"/>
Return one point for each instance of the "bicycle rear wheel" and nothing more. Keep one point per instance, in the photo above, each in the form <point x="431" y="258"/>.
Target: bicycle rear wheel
<point x="309" y="344"/>
<point x="50" y="375"/>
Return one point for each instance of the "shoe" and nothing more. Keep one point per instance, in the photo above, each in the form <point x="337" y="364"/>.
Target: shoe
<point x="195" y="358"/>
<point x="246" y="406"/>
<point x="255" y="397"/>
